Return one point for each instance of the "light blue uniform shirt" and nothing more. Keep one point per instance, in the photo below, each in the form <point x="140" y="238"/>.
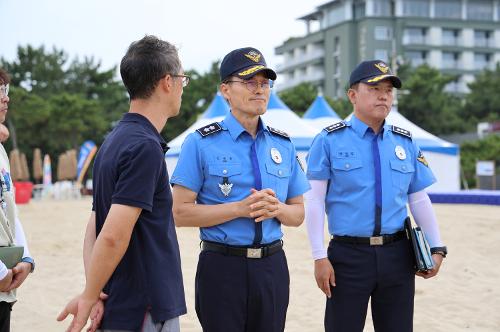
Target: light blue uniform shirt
<point x="204" y="162"/>
<point x="344" y="157"/>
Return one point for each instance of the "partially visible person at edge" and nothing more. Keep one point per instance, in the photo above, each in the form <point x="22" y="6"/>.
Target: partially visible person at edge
<point x="11" y="230"/>
<point x="4" y="133"/>
<point x="240" y="181"/>
<point x="363" y="172"/>
<point x="135" y="260"/>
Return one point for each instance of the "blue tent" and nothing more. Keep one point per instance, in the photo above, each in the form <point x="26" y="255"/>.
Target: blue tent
<point x="218" y="107"/>
<point x="276" y="103"/>
<point x="320" y="109"/>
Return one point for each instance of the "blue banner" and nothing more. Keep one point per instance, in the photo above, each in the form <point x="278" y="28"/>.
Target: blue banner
<point x="84" y="154"/>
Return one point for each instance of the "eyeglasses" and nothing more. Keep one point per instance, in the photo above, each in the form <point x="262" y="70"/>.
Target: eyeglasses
<point x="185" y="79"/>
<point x="252" y="86"/>
<point x="4" y="90"/>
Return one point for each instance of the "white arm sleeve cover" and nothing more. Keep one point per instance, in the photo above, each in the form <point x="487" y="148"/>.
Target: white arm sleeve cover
<point x="423" y="213"/>
<point x="315" y="217"/>
<point x="21" y="239"/>
<point x="3" y="270"/>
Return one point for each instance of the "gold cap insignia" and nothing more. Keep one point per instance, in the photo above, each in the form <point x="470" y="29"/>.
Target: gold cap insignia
<point x="382" y="67"/>
<point x="254" y="56"/>
<point x="251" y="70"/>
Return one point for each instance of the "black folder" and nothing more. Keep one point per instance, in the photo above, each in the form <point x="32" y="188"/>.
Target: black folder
<point x="421" y="252"/>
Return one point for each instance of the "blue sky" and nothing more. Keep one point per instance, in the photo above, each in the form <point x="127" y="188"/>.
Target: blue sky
<point x="204" y="31"/>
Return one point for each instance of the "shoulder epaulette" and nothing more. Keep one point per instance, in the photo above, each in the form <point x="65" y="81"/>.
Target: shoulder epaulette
<point x="335" y="126"/>
<point x="209" y="129"/>
<point x="401" y="131"/>
<point x="278" y="132"/>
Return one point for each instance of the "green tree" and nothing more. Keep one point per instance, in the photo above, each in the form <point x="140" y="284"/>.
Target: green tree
<point x="424" y="102"/>
<point x="485" y="149"/>
<point x="300" y="97"/>
<point x="483" y="101"/>
<point x="56" y="105"/>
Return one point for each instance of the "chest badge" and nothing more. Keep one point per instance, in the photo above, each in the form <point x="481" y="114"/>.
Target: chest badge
<point x="225" y="186"/>
<point x="400" y="152"/>
<point x="276" y="156"/>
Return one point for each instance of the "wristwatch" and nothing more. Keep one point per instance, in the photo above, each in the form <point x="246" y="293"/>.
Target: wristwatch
<point x="31" y="261"/>
<point x="440" y="251"/>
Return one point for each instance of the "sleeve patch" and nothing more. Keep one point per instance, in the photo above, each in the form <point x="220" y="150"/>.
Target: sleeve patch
<point x="422" y="159"/>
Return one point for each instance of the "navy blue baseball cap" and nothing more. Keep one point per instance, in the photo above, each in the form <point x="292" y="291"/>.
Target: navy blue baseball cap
<point x="245" y="63"/>
<point x="373" y="71"/>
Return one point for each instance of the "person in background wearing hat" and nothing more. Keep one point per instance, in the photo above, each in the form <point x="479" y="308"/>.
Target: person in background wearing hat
<point x="239" y="181"/>
<point x="11" y="230"/>
<point x="363" y="172"/>
<point x="131" y="251"/>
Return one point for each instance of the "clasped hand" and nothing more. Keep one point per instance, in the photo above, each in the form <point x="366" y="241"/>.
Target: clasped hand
<point x="15" y="277"/>
<point x="261" y="205"/>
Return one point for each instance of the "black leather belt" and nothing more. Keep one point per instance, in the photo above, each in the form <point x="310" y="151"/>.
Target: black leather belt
<point x="372" y="240"/>
<point x="248" y="252"/>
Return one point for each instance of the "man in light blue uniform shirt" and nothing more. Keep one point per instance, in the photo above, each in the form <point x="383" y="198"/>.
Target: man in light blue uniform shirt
<point x="239" y="181"/>
<point x="363" y="173"/>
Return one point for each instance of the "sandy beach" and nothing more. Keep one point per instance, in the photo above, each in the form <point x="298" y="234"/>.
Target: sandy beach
<point x="465" y="296"/>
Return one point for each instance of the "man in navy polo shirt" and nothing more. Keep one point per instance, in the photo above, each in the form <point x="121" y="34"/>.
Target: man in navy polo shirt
<point x="135" y="258"/>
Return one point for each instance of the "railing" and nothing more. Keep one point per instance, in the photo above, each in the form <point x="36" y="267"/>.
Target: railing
<point x="319" y="53"/>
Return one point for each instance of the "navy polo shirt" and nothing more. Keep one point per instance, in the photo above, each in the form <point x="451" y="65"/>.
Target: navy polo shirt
<point x="130" y="170"/>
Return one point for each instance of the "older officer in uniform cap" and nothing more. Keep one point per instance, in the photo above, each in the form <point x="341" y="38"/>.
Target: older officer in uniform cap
<point x="363" y="172"/>
<point x="239" y="181"/>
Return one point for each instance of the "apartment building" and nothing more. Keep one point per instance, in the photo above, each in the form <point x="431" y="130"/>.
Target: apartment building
<point x="458" y="37"/>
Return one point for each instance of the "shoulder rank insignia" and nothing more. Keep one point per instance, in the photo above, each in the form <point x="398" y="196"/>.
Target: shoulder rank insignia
<point x="335" y="126"/>
<point x="401" y="131"/>
<point x="278" y="132"/>
<point x="209" y="129"/>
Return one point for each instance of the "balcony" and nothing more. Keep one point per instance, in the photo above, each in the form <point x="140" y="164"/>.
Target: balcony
<point x="484" y="42"/>
<point x="414" y="40"/>
<point x="482" y="65"/>
<point x="289" y="83"/>
<point x="303" y="58"/>
<point x="451" y="64"/>
<point x="452" y="41"/>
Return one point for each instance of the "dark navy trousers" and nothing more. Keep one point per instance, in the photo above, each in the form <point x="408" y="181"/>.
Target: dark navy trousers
<point x="240" y="294"/>
<point x="383" y="273"/>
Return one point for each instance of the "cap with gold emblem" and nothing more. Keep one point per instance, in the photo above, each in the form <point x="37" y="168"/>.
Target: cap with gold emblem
<point x="245" y="63"/>
<point x="372" y="72"/>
